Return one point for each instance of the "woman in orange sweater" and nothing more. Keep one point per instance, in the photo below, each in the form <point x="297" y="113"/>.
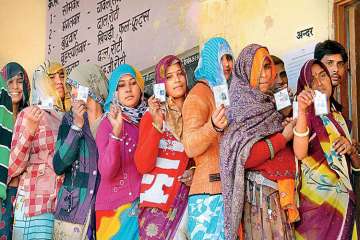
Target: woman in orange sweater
<point x="161" y="158"/>
<point x="203" y="125"/>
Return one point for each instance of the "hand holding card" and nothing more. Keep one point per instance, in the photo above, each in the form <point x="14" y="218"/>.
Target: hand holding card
<point x="78" y="109"/>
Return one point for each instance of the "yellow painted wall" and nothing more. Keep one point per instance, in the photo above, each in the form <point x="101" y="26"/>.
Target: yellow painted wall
<point x="23" y="32"/>
<point x="272" y="23"/>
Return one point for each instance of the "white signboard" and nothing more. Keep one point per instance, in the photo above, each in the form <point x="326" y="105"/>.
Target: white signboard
<point x="112" y="32"/>
<point x="294" y="61"/>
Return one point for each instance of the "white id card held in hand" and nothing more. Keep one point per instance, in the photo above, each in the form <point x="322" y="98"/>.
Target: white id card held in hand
<point x="295" y="109"/>
<point x="282" y="99"/>
<point x="160" y="92"/>
<point x="83" y="93"/>
<point x="320" y="103"/>
<point x="221" y="95"/>
<point x="47" y="103"/>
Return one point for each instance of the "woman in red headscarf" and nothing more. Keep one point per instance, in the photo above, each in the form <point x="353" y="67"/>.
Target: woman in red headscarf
<point x="161" y="158"/>
<point x="323" y="146"/>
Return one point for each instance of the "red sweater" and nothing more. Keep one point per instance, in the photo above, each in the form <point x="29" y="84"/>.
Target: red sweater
<point x="280" y="167"/>
<point x="161" y="159"/>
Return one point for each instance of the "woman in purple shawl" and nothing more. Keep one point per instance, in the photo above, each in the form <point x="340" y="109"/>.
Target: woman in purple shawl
<point x="256" y="140"/>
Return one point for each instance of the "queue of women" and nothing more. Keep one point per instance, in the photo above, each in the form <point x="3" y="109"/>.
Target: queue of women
<point x="119" y="166"/>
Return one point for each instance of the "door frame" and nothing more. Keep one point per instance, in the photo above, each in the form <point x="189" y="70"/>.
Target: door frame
<point x="341" y="26"/>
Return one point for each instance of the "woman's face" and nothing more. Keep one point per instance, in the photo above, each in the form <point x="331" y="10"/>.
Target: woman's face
<point x="175" y="84"/>
<point x="320" y="80"/>
<point x="58" y="81"/>
<point x="227" y="63"/>
<point x="15" y="85"/>
<point x="265" y="82"/>
<point x="128" y="91"/>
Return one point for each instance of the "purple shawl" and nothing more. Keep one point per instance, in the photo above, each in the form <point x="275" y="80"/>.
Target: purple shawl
<point x="252" y="116"/>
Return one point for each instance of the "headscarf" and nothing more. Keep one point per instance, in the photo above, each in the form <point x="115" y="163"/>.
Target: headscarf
<point x="91" y="76"/>
<point x="252" y="116"/>
<point x="6" y="126"/>
<point x="173" y="116"/>
<point x="43" y="86"/>
<point x="305" y="81"/>
<point x="209" y="67"/>
<point x="258" y="62"/>
<point x="13" y="69"/>
<point x="305" y="78"/>
<point x="135" y="114"/>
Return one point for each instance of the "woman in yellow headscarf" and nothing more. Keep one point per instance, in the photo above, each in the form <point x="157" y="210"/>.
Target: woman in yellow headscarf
<point x="32" y="151"/>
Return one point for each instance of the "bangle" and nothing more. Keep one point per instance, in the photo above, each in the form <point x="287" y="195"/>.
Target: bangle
<point x="157" y="128"/>
<point x="215" y="127"/>
<point x="76" y="128"/>
<point x="271" y="148"/>
<point x="193" y="167"/>
<point x="355" y="169"/>
<point x="115" y="137"/>
<point x="304" y="134"/>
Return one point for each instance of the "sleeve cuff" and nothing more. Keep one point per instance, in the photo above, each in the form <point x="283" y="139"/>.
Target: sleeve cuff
<point x="155" y="131"/>
<point x="76" y="128"/>
<point x="76" y="132"/>
<point x="210" y="130"/>
<point x="157" y="128"/>
<point x="114" y="139"/>
<point x="278" y="141"/>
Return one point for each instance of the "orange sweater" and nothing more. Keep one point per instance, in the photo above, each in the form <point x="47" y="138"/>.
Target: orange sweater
<point x="200" y="139"/>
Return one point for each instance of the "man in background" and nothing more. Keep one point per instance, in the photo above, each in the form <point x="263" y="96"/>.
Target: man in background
<point x="335" y="58"/>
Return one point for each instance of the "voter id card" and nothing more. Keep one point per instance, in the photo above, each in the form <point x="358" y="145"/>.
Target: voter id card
<point x="320" y="103"/>
<point x="221" y="95"/>
<point x="282" y="99"/>
<point x="160" y="92"/>
<point x="83" y="93"/>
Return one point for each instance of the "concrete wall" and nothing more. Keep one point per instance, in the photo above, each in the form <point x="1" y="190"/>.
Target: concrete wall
<point x="23" y="29"/>
<point x="273" y="23"/>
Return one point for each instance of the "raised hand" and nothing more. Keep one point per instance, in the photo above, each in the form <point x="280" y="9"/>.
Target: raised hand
<point x="156" y="112"/>
<point x="219" y="118"/>
<point x="79" y="108"/>
<point x="305" y="99"/>
<point x="115" y="119"/>
<point x="33" y="118"/>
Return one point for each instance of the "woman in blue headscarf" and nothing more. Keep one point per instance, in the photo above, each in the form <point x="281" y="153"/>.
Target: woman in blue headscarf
<point x="118" y="194"/>
<point x="203" y="125"/>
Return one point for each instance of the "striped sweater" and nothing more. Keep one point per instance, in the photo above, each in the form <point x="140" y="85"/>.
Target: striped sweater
<point x="161" y="159"/>
<point x="76" y="157"/>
